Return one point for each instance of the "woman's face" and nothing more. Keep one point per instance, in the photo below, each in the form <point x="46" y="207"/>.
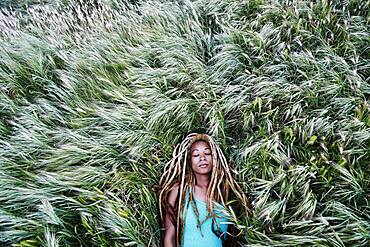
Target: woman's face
<point x="201" y="157"/>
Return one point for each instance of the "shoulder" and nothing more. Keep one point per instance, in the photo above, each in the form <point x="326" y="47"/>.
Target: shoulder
<point x="172" y="196"/>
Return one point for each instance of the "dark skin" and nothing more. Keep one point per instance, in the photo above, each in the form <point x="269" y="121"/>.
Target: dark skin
<point x="202" y="165"/>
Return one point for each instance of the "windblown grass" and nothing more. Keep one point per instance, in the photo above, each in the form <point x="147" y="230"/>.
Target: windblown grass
<point x="94" y="96"/>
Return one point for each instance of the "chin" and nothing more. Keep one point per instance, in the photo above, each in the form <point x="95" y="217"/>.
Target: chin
<point x="205" y="172"/>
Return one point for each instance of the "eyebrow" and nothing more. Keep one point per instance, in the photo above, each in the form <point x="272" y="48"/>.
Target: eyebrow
<point x="195" y="149"/>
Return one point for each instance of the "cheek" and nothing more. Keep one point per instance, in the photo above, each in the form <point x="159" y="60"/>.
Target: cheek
<point x="193" y="161"/>
<point x="210" y="158"/>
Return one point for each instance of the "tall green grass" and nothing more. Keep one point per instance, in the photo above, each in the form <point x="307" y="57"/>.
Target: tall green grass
<point x="94" y="95"/>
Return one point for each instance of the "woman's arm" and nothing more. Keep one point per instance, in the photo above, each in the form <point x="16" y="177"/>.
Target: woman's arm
<point x="170" y="232"/>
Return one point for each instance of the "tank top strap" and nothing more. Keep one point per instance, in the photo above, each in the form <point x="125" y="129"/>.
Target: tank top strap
<point x="187" y="195"/>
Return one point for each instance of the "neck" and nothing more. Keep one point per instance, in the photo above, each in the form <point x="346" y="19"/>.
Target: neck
<point x="202" y="180"/>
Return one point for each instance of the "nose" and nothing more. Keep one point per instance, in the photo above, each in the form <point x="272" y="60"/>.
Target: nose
<point x="202" y="157"/>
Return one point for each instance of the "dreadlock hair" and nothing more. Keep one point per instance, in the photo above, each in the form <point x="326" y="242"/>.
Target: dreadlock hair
<point x="178" y="171"/>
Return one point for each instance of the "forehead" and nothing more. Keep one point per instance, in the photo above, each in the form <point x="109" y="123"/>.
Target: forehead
<point x="199" y="145"/>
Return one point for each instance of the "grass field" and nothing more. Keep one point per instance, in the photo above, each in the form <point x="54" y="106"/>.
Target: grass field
<point x="94" y="95"/>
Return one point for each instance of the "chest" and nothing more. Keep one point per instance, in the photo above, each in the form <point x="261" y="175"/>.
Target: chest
<point x="197" y="214"/>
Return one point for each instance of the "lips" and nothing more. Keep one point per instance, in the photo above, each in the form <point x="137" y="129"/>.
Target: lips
<point x="203" y="165"/>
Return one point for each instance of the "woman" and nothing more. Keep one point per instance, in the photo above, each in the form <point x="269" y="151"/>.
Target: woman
<point x="194" y="190"/>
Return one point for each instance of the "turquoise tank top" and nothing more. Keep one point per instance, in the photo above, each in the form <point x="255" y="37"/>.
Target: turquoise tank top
<point x="192" y="235"/>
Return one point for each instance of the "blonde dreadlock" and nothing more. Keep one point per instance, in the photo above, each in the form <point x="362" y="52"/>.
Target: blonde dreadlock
<point x="178" y="170"/>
